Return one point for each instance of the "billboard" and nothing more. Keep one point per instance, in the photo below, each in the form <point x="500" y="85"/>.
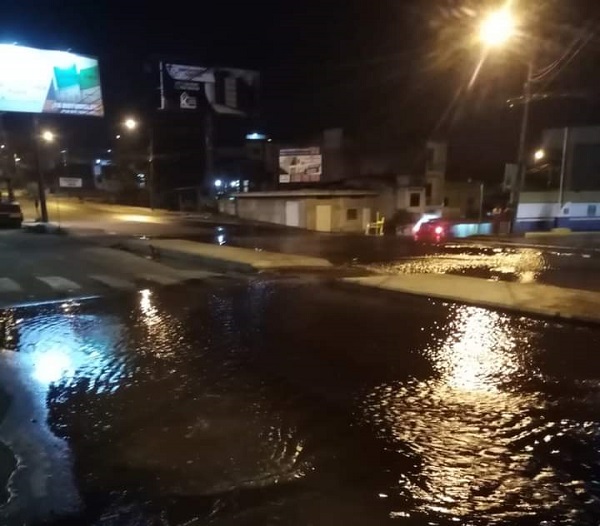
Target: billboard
<point x="42" y="81"/>
<point x="192" y="88"/>
<point x="300" y="165"/>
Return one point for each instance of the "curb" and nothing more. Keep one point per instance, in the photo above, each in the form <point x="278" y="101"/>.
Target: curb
<point x="535" y="312"/>
<point x="44" y="228"/>
<point x="218" y="258"/>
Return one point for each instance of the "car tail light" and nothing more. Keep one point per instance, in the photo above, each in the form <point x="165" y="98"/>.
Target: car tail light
<point x="439" y="230"/>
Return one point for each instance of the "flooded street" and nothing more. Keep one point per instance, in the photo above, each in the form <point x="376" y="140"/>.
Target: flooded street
<point x="291" y="401"/>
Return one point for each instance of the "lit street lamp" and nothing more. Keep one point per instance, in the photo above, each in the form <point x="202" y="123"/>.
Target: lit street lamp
<point x="539" y="155"/>
<point x="130" y="124"/>
<point x="47" y="136"/>
<point x="498" y="28"/>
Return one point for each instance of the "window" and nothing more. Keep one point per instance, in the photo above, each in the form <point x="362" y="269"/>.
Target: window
<point x="446" y="201"/>
<point x="352" y="214"/>
<point x="415" y="200"/>
<point x="591" y="211"/>
<point x="428" y="190"/>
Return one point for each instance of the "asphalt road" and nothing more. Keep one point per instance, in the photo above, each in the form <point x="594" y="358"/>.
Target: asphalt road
<point x="285" y="401"/>
<point x="40" y="267"/>
<point x="568" y="261"/>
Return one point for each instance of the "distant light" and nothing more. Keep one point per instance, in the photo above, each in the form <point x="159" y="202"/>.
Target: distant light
<point x="63" y="151"/>
<point x="48" y="136"/>
<point x="254" y="136"/>
<point x="109" y="151"/>
<point x="539" y="155"/>
<point x="130" y="124"/>
<point x="221" y="239"/>
<point x="2" y="146"/>
<point x="98" y="161"/>
<point x="17" y="159"/>
<point x="269" y="140"/>
<point x="234" y="184"/>
<point x="141" y="176"/>
<point x="218" y="183"/>
<point x="117" y="137"/>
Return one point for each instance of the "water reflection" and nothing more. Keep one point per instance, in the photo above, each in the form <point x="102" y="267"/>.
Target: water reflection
<point x="524" y="265"/>
<point x="464" y="426"/>
<point x="477" y="352"/>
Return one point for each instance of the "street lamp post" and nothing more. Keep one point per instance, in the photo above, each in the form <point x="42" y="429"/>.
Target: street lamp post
<point x="131" y="124"/>
<point x="519" y="183"/>
<point x="495" y="31"/>
<point x="46" y="136"/>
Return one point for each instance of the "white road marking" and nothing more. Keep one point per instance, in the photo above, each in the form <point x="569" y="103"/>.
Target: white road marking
<point x="9" y="285"/>
<point x="115" y="283"/>
<point x="59" y="283"/>
<point x="161" y="279"/>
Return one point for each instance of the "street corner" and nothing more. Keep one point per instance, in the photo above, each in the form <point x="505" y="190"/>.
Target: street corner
<point x="43" y="228"/>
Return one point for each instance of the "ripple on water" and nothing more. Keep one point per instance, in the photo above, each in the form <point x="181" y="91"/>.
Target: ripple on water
<point x="483" y="450"/>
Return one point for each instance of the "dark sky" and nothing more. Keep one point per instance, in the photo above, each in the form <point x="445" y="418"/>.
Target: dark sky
<point x="389" y="71"/>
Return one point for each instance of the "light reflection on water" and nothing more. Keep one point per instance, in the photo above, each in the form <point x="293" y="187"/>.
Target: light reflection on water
<point x="524" y="265"/>
<point x="474" y="440"/>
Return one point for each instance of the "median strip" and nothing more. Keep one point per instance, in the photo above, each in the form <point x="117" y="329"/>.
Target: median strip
<point x="222" y="257"/>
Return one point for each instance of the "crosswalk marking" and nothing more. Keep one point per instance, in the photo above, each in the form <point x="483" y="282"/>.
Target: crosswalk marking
<point x="9" y="285"/>
<point x="59" y="283"/>
<point x="161" y="279"/>
<point x="113" y="282"/>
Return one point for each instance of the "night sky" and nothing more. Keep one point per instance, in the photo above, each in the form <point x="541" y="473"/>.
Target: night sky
<point x="390" y="72"/>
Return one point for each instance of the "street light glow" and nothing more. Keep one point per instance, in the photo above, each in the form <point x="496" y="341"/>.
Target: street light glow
<point x="539" y="155"/>
<point x="47" y="136"/>
<point x="497" y="28"/>
<point x="130" y="124"/>
<point x="218" y="183"/>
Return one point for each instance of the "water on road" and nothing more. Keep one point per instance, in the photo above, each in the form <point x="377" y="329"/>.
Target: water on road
<point x="286" y="401"/>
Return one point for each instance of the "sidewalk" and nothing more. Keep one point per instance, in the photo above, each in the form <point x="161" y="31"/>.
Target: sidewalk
<point x="528" y="298"/>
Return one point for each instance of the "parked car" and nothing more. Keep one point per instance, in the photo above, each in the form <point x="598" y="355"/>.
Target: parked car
<point x="433" y="231"/>
<point x="11" y="214"/>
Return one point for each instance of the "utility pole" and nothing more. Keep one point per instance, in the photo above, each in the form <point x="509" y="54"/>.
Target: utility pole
<point x="151" y="174"/>
<point x="522" y="154"/>
<point x="40" y="174"/>
<point x="563" y="170"/>
<point x="209" y="147"/>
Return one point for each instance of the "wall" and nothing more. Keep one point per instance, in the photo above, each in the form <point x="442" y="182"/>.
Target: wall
<point x="580" y="211"/>
<point x="339" y="207"/>
<point x="272" y="210"/>
<point x="403" y="199"/>
<point x="267" y="210"/>
<point x="463" y="196"/>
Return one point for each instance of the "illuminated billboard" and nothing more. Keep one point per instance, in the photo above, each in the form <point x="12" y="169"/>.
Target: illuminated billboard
<point x="300" y="165"/>
<point x="42" y="81"/>
<point x="228" y="91"/>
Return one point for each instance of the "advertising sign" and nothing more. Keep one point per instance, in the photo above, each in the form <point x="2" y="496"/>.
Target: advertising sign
<point x="227" y="90"/>
<point x="300" y="165"/>
<point x="70" y="182"/>
<point x="42" y="81"/>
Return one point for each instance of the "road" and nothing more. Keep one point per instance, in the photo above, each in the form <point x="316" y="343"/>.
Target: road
<point x="568" y="261"/>
<point x="36" y="268"/>
<point x="288" y="401"/>
<point x="154" y="393"/>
